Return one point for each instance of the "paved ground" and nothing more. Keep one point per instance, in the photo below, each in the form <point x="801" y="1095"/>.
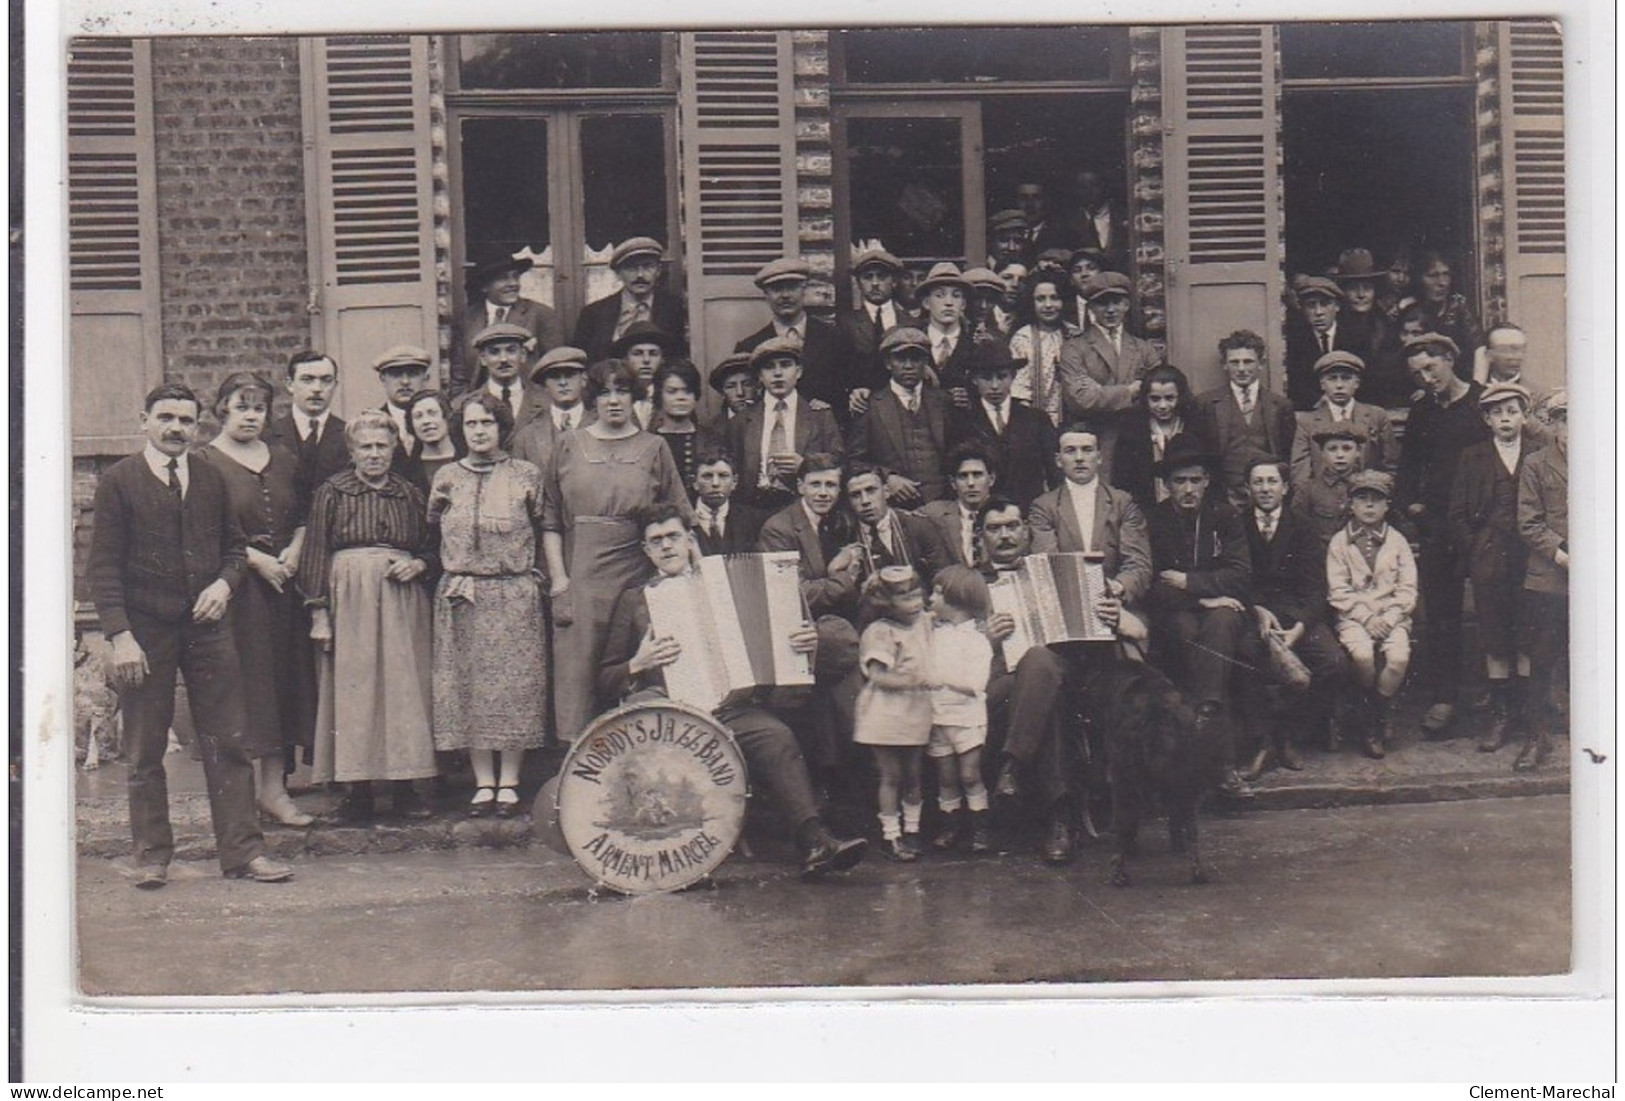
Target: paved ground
<point x="1470" y="887"/>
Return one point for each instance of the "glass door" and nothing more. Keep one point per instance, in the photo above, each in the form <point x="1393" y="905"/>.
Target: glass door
<point x="908" y="179"/>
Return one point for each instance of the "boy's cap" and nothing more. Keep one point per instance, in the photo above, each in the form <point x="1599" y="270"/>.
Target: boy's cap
<point x="1104" y="283"/>
<point x="777" y="346"/>
<point x="784" y="269"/>
<point x="502" y="330"/>
<point x="636" y="246"/>
<point x="1092" y="254"/>
<point x="904" y="336"/>
<point x="403" y="356"/>
<point x="736" y="364"/>
<point x="1421" y="341"/>
<point x="1497" y="392"/>
<point x="1557" y="402"/>
<point x="1060" y="257"/>
<point x="564" y="358"/>
<point x="985" y="279"/>
<point x="1333" y="360"/>
<point x="1372" y="481"/>
<point x="1318" y="285"/>
<point x="1347" y="430"/>
<point x="876" y="258"/>
<point x="1008" y="220"/>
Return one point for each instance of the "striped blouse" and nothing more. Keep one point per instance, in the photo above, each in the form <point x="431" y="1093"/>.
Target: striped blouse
<point x="346" y="513"/>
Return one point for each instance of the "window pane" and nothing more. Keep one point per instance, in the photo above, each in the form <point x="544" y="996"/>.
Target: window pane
<point x="622" y="59"/>
<point x="971" y="55"/>
<point x="623" y="173"/>
<point x="907" y="192"/>
<point x="505" y="196"/>
<point x="1047" y="140"/>
<point x="1322" y="51"/>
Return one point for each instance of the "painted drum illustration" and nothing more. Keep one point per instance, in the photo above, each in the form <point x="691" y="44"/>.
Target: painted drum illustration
<point x="651" y="797"/>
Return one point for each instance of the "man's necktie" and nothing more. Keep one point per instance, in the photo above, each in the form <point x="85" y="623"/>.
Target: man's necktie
<point x="1325" y="343"/>
<point x="1266" y="527"/>
<point x="778" y="439"/>
<point x="998" y="420"/>
<point x="913" y="401"/>
<point x="944" y="349"/>
<point x="501" y="315"/>
<point x="1246" y="401"/>
<point x="793" y="336"/>
<point x="640" y="310"/>
<point x="507" y="396"/>
<point x="175" y="478"/>
<point x="561" y="421"/>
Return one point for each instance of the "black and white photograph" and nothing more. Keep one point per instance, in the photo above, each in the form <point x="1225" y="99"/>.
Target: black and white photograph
<point x="923" y="510"/>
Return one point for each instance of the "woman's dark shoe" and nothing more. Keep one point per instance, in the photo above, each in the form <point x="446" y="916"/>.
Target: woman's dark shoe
<point x="507" y="801"/>
<point x="356" y="806"/>
<point x="408" y="804"/>
<point x="483" y="803"/>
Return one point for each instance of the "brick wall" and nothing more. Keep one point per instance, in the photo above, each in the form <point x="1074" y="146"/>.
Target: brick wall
<point x="814" y="163"/>
<point x="231" y="215"/>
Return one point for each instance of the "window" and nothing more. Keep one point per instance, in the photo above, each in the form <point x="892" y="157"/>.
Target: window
<point x="1373" y="51"/>
<point x="981" y="55"/>
<point x="541" y="62"/>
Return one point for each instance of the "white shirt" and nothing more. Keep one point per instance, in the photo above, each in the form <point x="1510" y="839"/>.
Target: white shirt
<point x="1083" y="508"/>
<point x="1509" y="453"/>
<point x="799" y="328"/>
<point x="967" y="533"/>
<point x="813" y="518"/>
<point x="713" y="523"/>
<point x="158" y="463"/>
<point x="1328" y="339"/>
<point x="884" y="315"/>
<point x="566" y="419"/>
<point x="644" y="411"/>
<point x="998" y="414"/>
<point x="398" y="415"/>
<point x="301" y="423"/>
<point x="1102" y="220"/>
<point x="770" y="406"/>
<point x="1246" y="396"/>
<point x="937" y="336"/>
<point x="1268" y="521"/>
<point x="1113" y="335"/>
<point x="1340" y="413"/>
<point x="491" y="309"/>
<point x="907" y="397"/>
<point x="961" y="657"/>
<point x="516" y="395"/>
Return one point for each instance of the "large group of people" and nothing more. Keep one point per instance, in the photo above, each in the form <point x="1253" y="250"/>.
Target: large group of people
<point x="464" y="572"/>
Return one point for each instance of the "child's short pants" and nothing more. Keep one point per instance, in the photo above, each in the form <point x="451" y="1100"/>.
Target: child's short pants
<point x="954" y="741"/>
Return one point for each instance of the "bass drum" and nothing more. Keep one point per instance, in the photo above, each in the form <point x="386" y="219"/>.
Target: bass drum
<point x="651" y="797"/>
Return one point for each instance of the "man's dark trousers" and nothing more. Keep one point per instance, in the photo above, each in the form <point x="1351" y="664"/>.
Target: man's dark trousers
<point x="206" y="656"/>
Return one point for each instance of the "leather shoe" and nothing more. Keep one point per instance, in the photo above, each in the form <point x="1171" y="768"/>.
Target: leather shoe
<point x="1007" y="786"/>
<point x="1234" y="787"/>
<point x="1290" y="757"/>
<point x="1259" y="765"/>
<point x="981" y="835"/>
<point x="832" y="854"/>
<point x="947" y="835"/>
<point x="1436" y="722"/>
<point x="900" y="850"/>
<point x="150" y="877"/>
<point x="408" y="804"/>
<point x="1058" y="846"/>
<point x="262" y="869"/>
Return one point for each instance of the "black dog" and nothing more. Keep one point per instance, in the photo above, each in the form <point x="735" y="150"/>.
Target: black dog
<point x="1159" y="754"/>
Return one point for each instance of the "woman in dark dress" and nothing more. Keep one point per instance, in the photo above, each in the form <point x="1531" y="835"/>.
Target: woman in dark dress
<point x="676" y="390"/>
<point x="430" y="421"/>
<point x="1163" y="411"/>
<point x="279" y="681"/>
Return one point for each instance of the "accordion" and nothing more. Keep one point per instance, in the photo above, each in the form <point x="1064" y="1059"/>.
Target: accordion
<point x="733" y="617"/>
<point x="1052" y="599"/>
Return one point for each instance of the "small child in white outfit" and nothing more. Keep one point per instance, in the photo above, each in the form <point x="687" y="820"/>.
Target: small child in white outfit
<point x="961" y="661"/>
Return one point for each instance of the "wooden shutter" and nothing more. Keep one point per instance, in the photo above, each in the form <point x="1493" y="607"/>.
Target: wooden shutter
<point x="114" y="338"/>
<point x="737" y="128"/>
<point x="1531" y="60"/>
<point x="368" y="175"/>
<point x="1223" y="188"/>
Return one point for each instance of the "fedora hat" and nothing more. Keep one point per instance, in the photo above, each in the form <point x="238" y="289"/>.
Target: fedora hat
<point x="1355" y="265"/>
<point x="944" y="274"/>
<point x="493" y="262"/>
<point x="1183" y="452"/>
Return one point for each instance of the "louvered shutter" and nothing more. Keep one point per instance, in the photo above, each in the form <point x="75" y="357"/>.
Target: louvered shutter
<point x="367" y="117"/>
<point x="1531" y="58"/>
<point x="114" y="340"/>
<point x="737" y="126"/>
<point x="1223" y="215"/>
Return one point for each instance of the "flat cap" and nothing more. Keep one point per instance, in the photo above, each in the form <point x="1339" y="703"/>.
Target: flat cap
<point x="1556" y="402"/>
<point x="944" y="274"/>
<point x="402" y="355"/>
<point x="502" y="330"/>
<point x="1311" y="285"/>
<point x="563" y="358"/>
<point x="785" y="267"/>
<point x="905" y="336"/>
<point x="1345" y="430"/>
<point x="1104" y="283"/>
<point x="1417" y="342"/>
<point x="774" y="346"/>
<point x="636" y="246"/>
<point x="737" y="363"/>
<point x="1337" y="358"/>
<point x="643" y="332"/>
<point x="985" y="279"/>
<point x="876" y="258"/>
<point x="1093" y="255"/>
<point x="1372" y="481"/>
<point x="1060" y="257"/>
<point x="1497" y="392"/>
<point x="1007" y="220"/>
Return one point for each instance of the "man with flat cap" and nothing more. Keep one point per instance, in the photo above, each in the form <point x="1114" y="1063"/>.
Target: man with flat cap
<point x="735" y="379"/>
<point x="493" y="292"/>
<point x="402" y="371"/>
<point x="560" y="375"/>
<point x="905" y="428"/>
<point x="1313" y="331"/>
<point x="503" y="362"/>
<point x="770" y="438"/>
<point x="830" y="371"/>
<point x="1444" y="422"/>
<point x="1341" y="377"/>
<point x="637" y="263"/>
<point x="877" y="312"/>
<point x="1009" y="231"/>
<point x="1103" y="368"/>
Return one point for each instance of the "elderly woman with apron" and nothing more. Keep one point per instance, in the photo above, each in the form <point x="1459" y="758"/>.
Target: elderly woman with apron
<point x="602" y="473"/>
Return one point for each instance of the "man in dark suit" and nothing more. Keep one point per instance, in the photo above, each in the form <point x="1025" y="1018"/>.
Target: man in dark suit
<point x="503" y="359"/>
<point x="637" y="262"/>
<point x="166" y="554"/>
<point x="1019" y="439"/>
<point x="721" y="525"/>
<point x="1007" y="234"/>
<point x="631" y="667"/>
<point x="1311" y="332"/>
<point x="1289" y="597"/>
<point x="830" y="371"/>
<point x="1244" y="419"/>
<point x="944" y="295"/>
<point x="973" y="477"/>
<point x="1043" y="231"/>
<point x="877" y="313"/>
<point x="1100" y="222"/>
<point x="735" y="379"/>
<point x="402" y="371"/>
<point x="905" y="428"/>
<point x="888" y="537"/>
<point x="770" y="438"/>
<point x="493" y="285"/>
<point x="310" y="430"/>
<point x="561" y="375"/>
<point x="1103" y="369"/>
<point x="1201" y="591"/>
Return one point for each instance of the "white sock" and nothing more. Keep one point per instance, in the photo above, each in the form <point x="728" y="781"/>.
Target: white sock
<point x="976" y="800"/>
<point x="948" y="805"/>
<point x="911" y="817"/>
<point x="890" y="829"/>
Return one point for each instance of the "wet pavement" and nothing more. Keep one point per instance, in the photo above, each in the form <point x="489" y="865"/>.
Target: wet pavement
<point x="1475" y="887"/>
